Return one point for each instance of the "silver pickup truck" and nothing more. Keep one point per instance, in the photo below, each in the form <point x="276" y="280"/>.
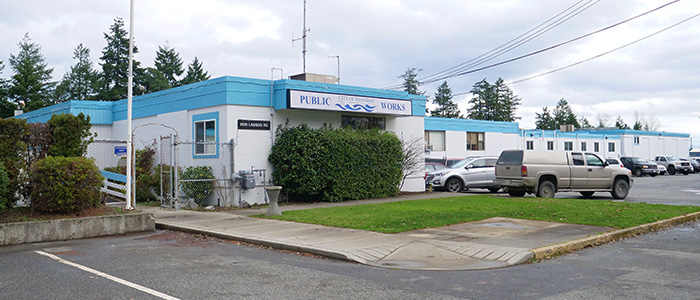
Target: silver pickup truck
<point x="546" y="172"/>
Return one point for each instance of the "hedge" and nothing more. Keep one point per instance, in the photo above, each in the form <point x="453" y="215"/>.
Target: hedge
<point x="336" y="164"/>
<point x="65" y="184"/>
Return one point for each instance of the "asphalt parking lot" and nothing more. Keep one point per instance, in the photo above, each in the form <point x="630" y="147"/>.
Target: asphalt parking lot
<point x="663" y="189"/>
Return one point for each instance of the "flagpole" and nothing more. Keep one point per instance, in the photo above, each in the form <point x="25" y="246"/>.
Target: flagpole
<point x="130" y="88"/>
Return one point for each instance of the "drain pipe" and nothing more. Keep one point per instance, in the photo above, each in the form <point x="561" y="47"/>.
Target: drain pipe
<point x="272" y="107"/>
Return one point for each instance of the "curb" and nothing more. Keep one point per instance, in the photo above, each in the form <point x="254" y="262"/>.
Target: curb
<point x="255" y="241"/>
<point x="75" y="228"/>
<point x="570" y="246"/>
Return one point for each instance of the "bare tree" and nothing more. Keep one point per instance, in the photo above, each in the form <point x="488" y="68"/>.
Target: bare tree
<point x="412" y="158"/>
<point x="603" y="119"/>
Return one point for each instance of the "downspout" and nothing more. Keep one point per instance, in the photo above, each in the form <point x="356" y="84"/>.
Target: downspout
<point x="272" y="107"/>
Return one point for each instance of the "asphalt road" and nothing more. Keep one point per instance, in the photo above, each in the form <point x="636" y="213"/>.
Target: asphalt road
<point x="662" y="265"/>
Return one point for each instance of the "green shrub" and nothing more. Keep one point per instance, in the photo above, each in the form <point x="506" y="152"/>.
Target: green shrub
<point x="197" y="190"/>
<point x="65" y="184"/>
<point x="336" y="164"/>
<point x="147" y="180"/>
<point x="6" y="198"/>
<point x="13" y="150"/>
<point x="71" y="135"/>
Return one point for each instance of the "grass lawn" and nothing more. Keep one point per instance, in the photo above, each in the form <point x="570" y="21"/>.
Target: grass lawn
<point x="410" y="215"/>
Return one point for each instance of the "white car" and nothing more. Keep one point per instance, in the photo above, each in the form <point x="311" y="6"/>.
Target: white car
<point x="469" y="173"/>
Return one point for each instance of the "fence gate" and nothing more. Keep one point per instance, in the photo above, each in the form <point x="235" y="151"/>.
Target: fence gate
<point x="166" y="171"/>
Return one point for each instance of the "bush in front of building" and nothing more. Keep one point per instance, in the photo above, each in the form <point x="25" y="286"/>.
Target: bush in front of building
<point x="336" y="164"/>
<point x="64" y="184"/>
<point x="5" y="196"/>
<point x="197" y="183"/>
<point x="71" y="135"/>
<point x="13" y="150"/>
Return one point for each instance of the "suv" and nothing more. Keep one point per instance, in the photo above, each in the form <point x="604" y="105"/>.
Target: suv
<point x="640" y="166"/>
<point x="673" y="164"/>
<point x="469" y="173"/>
<point x="546" y="172"/>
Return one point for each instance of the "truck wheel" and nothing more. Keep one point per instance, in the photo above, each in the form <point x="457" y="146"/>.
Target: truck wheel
<point x="638" y="172"/>
<point x="587" y="195"/>
<point x="671" y="170"/>
<point x="546" y="189"/>
<point x="453" y="185"/>
<point x="516" y="193"/>
<point x="620" y="189"/>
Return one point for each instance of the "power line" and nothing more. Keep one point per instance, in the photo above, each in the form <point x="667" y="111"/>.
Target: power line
<point x="527" y="37"/>
<point x="557" y="45"/>
<point x="604" y="53"/>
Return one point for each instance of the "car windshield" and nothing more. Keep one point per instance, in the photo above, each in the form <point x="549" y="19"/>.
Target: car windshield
<point x="639" y="160"/>
<point x="672" y="158"/>
<point x="462" y="163"/>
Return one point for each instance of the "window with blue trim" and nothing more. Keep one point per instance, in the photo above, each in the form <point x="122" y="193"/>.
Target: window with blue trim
<point x="205" y="133"/>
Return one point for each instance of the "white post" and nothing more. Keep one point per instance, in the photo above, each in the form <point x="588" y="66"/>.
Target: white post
<point x="130" y="141"/>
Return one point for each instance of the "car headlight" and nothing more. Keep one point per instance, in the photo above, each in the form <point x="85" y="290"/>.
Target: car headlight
<point x="438" y="175"/>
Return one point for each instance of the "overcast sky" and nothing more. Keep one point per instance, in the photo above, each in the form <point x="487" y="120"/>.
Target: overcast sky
<point x="377" y="40"/>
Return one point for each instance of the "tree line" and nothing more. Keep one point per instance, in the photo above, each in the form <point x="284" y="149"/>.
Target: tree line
<point x="497" y="102"/>
<point x="31" y="87"/>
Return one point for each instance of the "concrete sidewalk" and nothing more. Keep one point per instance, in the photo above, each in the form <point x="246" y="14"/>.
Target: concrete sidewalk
<point x="491" y="243"/>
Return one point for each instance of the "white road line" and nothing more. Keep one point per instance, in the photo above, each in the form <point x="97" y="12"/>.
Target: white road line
<point x="110" y="277"/>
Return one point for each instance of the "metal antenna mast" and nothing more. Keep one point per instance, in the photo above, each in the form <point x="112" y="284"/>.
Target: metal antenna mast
<point x="303" y="40"/>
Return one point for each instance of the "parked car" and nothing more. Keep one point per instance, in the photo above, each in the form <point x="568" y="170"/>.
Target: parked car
<point x="662" y="169"/>
<point x="673" y="164"/>
<point x="429" y="167"/>
<point x="468" y="173"/>
<point x="546" y="172"/>
<point x="693" y="163"/>
<point x="615" y="163"/>
<point x="640" y="166"/>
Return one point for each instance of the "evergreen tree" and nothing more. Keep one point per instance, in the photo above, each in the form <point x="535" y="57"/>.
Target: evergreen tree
<point x="563" y="115"/>
<point x="446" y="107"/>
<point x="115" y="63"/>
<point x="195" y="73"/>
<point x="493" y="102"/>
<point x="637" y="126"/>
<point x="169" y="63"/>
<point x="410" y="83"/>
<point x="31" y="81"/>
<point x="584" y="123"/>
<point x="619" y="123"/>
<point x="152" y="80"/>
<point x="544" y="120"/>
<point x="81" y="82"/>
<point x="6" y="107"/>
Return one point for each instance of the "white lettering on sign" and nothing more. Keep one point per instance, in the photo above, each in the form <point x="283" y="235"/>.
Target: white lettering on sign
<point x="348" y="103"/>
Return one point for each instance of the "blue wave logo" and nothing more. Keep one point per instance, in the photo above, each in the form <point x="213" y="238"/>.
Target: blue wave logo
<point x="356" y="107"/>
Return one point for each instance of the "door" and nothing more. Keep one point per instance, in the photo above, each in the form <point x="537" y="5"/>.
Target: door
<point x="579" y="171"/>
<point x="598" y="173"/>
<point x="476" y="173"/>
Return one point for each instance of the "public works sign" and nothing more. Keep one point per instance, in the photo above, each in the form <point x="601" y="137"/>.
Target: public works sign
<point x="348" y="103"/>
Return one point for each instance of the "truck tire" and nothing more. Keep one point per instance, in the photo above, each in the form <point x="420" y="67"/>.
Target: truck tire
<point x="516" y="193"/>
<point x="546" y="189"/>
<point x="671" y="170"/>
<point x="453" y="185"/>
<point x="638" y="172"/>
<point x="620" y="189"/>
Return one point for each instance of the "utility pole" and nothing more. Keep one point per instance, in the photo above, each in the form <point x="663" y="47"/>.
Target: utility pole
<point x="303" y="40"/>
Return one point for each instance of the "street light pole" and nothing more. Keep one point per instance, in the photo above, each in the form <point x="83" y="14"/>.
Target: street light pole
<point x="130" y="91"/>
<point x="337" y="57"/>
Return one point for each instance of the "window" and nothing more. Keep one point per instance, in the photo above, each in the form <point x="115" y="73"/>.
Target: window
<point x="596" y="147"/>
<point x="568" y="146"/>
<point x="611" y="147"/>
<point x="436" y="139"/>
<point x="583" y="146"/>
<point x="363" y="122"/>
<point x="550" y="145"/>
<point x="577" y="158"/>
<point x="475" y="141"/>
<point x="593" y="160"/>
<point x="530" y="145"/>
<point x="205" y="133"/>
<point x="636" y="140"/>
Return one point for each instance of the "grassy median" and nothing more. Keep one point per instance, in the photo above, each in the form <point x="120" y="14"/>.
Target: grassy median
<point x="403" y="216"/>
